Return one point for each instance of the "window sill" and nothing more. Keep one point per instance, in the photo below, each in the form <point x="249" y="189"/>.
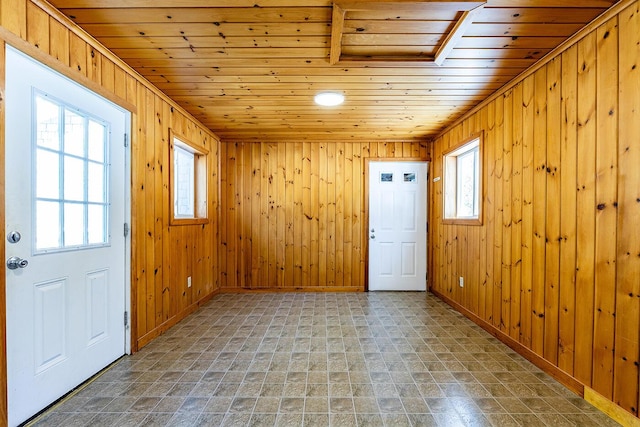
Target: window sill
<point x="461" y="221"/>
<point x="188" y="221"/>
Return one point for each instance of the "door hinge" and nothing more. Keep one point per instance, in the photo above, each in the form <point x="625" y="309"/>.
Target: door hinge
<point x="126" y="139"/>
<point x="126" y="318"/>
<point x="126" y="229"/>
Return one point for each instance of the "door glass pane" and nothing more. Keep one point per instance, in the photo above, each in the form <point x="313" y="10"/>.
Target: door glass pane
<point x="70" y="185"/>
<point x="96" y="183"/>
<point x="96" y="144"/>
<point x="73" y="179"/>
<point x="96" y="225"/>
<point x="73" y="133"/>
<point x="47" y="124"/>
<point x="47" y="174"/>
<point x="73" y="224"/>
<point x="47" y="225"/>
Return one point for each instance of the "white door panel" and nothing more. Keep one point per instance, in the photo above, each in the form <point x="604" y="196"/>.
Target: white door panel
<point x="397" y="226"/>
<point x="66" y="196"/>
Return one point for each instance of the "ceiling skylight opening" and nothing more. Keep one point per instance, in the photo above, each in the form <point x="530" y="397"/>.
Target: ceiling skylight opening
<point x="329" y="99"/>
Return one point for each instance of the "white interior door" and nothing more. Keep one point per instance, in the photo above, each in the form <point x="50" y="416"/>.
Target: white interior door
<point x="65" y="211"/>
<point x="397" y="226"/>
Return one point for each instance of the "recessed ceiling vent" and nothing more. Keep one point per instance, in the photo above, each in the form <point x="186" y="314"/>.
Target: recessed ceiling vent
<point x="398" y="31"/>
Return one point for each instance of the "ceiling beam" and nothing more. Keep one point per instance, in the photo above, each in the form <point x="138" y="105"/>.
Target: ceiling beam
<point x="455" y="35"/>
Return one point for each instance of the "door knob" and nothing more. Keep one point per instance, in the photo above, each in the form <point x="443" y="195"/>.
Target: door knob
<point x="14" y="262"/>
<point x="373" y="237"/>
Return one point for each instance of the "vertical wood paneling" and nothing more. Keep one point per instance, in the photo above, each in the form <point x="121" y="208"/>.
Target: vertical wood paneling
<point x="314" y="214"/>
<point x="528" y="142"/>
<point x="346" y="217"/>
<point x="78" y="57"/>
<point x="498" y="149"/>
<point x="256" y="198"/>
<point x="37" y="27"/>
<point x="13" y="16"/>
<point x="606" y="205"/>
<point x="539" y="204"/>
<point x="246" y="259"/>
<point x="339" y="186"/>
<point x="516" y="215"/>
<point x="357" y="226"/>
<point x="296" y="163"/>
<point x="568" y="214"/>
<point x="310" y="225"/>
<point x="306" y="216"/>
<point x="489" y="168"/>
<point x="585" y="202"/>
<point x="58" y="41"/>
<point x="627" y="346"/>
<point x="323" y="216"/>
<point x="331" y="259"/>
<point x="161" y="149"/>
<point x="560" y="213"/>
<point x="507" y="171"/>
<point x="552" y="212"/>
<point x="272" y="243"/>
<point x="94" y="65"/>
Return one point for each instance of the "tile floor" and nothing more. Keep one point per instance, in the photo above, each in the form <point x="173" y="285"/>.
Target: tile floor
<point x="318" y="359"/>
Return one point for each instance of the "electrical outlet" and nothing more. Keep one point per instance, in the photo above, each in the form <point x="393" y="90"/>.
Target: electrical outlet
<point x="461" y="282"/>
<point x="189" y="282"/>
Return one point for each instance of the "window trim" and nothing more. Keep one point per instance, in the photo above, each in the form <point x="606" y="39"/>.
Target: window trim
<point x="447" y="177"/>
<point x="201" y="200"/>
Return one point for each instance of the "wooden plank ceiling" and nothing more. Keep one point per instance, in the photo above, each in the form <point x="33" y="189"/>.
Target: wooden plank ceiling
<point x="248" y="69"/>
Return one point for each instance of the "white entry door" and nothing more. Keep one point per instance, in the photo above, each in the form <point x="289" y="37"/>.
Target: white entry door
<point x="397" y="226"/>
<point x="65" y="212"/>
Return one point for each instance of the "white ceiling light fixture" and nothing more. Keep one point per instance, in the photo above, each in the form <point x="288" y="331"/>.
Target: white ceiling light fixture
<point x="329" y="99"/>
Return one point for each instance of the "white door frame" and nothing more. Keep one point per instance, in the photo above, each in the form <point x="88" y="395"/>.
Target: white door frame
<point x="365" y="224"/>
<point x="127" y="109"/>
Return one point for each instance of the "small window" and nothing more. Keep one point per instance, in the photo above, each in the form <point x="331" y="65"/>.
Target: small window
<point x="386" y="177"/>
<point x="188" y="182"/>
<point x="463" y="182"/>
<point x="409" y="177"/>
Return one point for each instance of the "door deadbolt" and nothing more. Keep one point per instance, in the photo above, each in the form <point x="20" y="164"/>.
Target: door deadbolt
<point x="14" y="237"/>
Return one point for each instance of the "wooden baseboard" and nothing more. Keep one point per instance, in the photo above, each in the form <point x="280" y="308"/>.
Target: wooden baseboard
<point x="293" y="289"/>
<point x="611" y="409"/>
<point x="161" y="329"/>
<point x="566" y="379"/>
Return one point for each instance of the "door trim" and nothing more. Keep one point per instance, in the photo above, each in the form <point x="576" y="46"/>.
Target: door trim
<point x="365" y="222"/>
<point x="4" y="404"/>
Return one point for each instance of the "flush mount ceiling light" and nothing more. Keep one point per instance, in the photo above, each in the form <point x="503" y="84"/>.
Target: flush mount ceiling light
<point x="329" y="99"/>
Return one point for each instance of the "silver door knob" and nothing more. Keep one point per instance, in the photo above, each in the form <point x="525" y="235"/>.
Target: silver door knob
<point x="373" y="237"/>
<point x="14" y="263"/>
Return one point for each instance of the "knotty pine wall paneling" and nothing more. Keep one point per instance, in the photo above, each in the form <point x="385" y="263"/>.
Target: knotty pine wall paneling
<point x="559" y="244"/>
<point x="162" y="255"/>
<point x="292" y="213"/>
